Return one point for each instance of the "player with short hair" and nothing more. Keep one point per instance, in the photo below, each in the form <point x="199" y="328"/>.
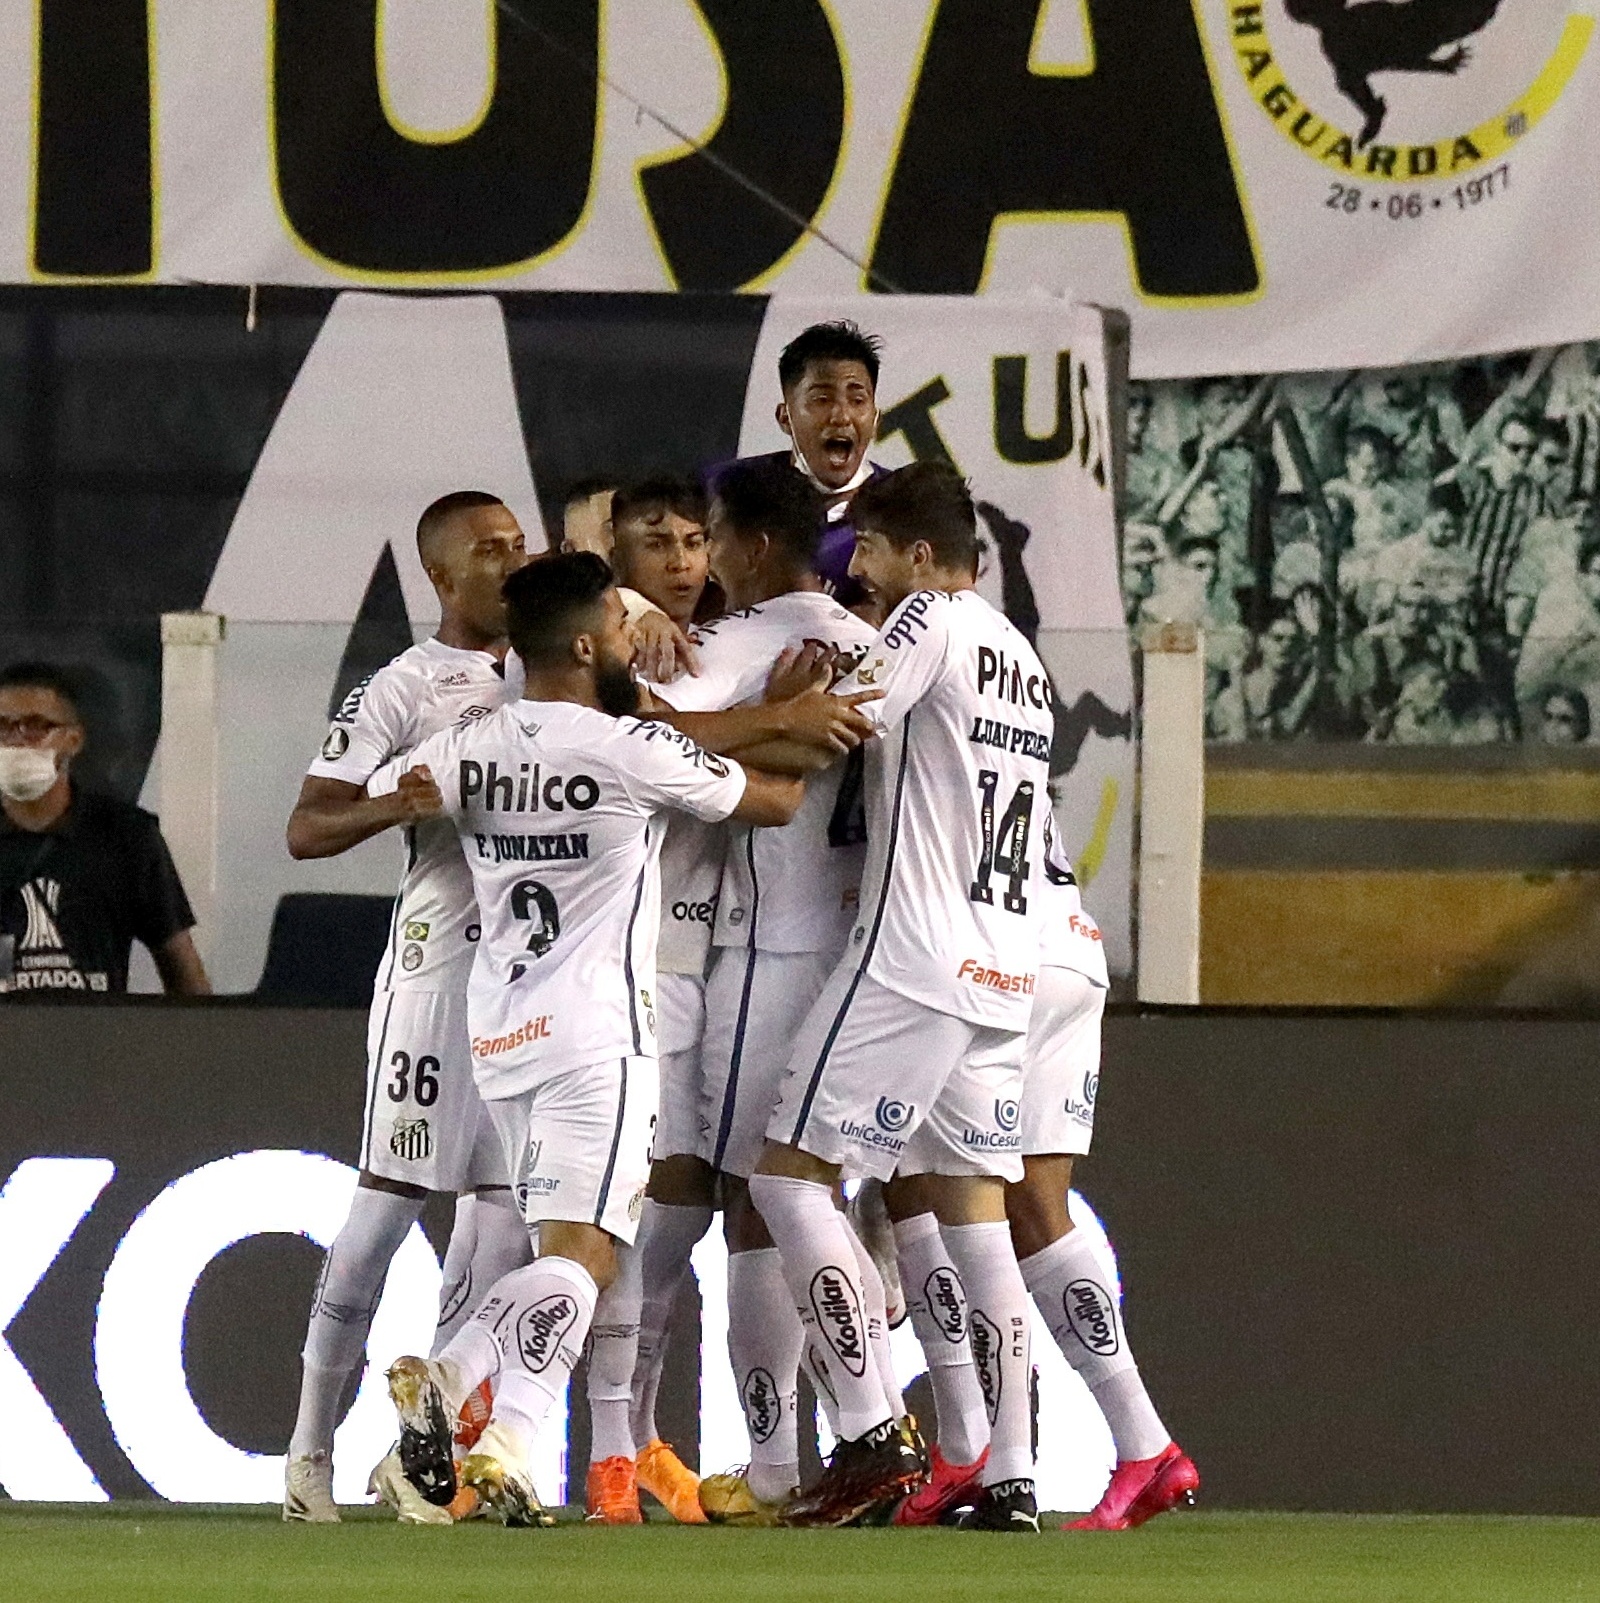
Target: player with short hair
<point x="424" y="1128"/>
<point x="910" y="1060"/>
<point x="828" y="378"/>
<point x="560" y="801"/>
<point x="659" y="548"/>
<point x="1061" y="1076"/>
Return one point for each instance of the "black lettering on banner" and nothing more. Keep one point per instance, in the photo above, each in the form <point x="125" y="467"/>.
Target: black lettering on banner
<point x="363" y="194"/>
<point x="913" y="417"/>
<point x="1011" y="437"/>
<point x="782" y="130"/>
<point x="94" y="205"/>
<point x="1140" y="135"/>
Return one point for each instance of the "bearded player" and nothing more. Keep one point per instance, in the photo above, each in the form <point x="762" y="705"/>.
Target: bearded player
<point x="560" y="800"/>
<point x="424" y="1128"/>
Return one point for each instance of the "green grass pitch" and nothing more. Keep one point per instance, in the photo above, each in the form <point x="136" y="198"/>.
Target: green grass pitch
<point x="131" y="1554"/>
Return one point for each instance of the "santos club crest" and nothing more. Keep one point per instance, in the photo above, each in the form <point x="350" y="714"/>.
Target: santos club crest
<point x="1402" y="91"/>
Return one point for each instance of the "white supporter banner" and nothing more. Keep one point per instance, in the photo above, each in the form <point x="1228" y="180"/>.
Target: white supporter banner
<point x="1014" y="393"/>
<point x="1263" y="185"/>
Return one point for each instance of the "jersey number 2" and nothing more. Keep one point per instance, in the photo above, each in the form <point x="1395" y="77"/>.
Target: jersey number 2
<point x="1007" y="853"/>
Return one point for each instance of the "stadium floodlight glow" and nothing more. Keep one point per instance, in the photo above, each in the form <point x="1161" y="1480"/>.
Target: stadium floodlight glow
<point x="138" y="1339"/>
<point x="43" y="1203"/>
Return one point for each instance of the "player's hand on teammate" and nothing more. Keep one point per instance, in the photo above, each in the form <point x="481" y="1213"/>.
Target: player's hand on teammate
<point x="662" y="652"/>
<point x="799" y="669"/>
<point x="828" y="722"/>
<point x="417" y="796"/>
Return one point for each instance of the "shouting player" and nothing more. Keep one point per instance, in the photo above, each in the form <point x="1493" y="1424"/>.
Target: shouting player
<point x="425" y="1128"/>
<point x="911" y="1059"/>
<point x="560" y="801"/>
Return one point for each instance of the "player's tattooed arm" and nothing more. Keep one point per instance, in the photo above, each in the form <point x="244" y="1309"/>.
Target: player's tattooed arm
<point x="331" y="816"/>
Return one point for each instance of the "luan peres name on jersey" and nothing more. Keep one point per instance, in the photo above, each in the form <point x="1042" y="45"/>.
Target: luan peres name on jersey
<point x="1007" y="737"/>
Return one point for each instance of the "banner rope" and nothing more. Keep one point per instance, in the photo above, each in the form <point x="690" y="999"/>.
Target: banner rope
<point x="875" y="280"/>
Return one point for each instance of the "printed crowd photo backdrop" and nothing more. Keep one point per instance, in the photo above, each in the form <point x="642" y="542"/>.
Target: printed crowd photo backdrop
<point x="1263" y="185"/>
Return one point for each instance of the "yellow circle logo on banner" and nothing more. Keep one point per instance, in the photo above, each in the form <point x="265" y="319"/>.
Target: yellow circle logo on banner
<point x="1405" y="91"/>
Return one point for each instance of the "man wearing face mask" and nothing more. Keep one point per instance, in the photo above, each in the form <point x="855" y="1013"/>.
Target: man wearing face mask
<point x="82" y="875"/>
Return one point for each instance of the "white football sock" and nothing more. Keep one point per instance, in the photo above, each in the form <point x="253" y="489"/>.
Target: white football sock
<point x="501" y="1242"/>
<point x="613" y="1354"/>
<point x="764" y="1342"/>
<point x="1071" y="1288"/>
<point x="549" y="1306"/>
<point x="341" y="1309"/>
<point x="455" y="1279"/>
<point x="999" y="1322"/>
<point x="937" y="1303"/>
<point x="875" y="1302"/>
<point x="819" y="1263"/>
<point x="667" y="1235"/>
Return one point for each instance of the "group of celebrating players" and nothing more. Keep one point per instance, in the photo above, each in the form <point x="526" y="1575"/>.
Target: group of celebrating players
<point x="719" y="904"/>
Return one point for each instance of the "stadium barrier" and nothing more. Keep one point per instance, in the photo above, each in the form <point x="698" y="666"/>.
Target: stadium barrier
<point x="1357" y="1252"/>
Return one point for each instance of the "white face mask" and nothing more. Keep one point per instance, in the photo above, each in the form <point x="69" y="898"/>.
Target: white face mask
<point x="26" y="772"/>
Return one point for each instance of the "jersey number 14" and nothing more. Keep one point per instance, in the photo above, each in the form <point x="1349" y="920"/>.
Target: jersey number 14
<point x="1006" y="852"/>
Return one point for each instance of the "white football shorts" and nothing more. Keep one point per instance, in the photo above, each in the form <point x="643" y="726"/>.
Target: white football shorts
<point x="756" y="1003"/>
<point x="680" y="1022"/>
<point x="1061" y="1064"/>
<point x="879" y="1083"/>
<point x="578" y="1143"/>
<point x="425" y="1123"/>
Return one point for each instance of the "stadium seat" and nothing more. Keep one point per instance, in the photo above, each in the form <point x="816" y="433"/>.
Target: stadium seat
<point x="324" y="949"/>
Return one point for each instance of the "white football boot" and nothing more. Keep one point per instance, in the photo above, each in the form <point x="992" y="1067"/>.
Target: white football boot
<point x="308" y="1489"/>
<point x="388" y="1483"/>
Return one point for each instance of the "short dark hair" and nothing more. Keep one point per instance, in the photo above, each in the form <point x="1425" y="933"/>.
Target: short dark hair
<point x="438" y="513"/>
<point x="650" y="498"/>
<point x="927" y="501"/>
<point x="1555" y="430"/>
<point x="552" y="599"/>
<point x="765" y="495"/>
<point x="1366" y="434"/>
<point x="43" y="676"/>
<point x="1198" y="542"/>
<point x="842" y="341"/>
<point x="583" y="489"/>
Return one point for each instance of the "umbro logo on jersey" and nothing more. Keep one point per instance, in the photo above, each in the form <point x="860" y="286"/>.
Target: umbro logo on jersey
<point x="542" y="1328"/>
<point x="1093" y="1320"/>
<point x="526" y="791"/>
<point x="947" y="1302"/>
<point x="838" y="1315"/>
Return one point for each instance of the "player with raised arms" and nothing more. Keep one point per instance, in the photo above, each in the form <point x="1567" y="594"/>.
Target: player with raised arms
<point x="911" y="1059"/>
<point x="424" y="1128"/>
<point x="560" y="800"/>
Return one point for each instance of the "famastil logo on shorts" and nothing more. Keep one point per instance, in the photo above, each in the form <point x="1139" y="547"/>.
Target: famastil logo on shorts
<point x="1407" y="90"/>
<point x="838" y="1315"/>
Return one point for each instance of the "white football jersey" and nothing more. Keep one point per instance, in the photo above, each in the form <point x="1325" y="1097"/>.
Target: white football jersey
<point x="794" y="889"/>
<point x="561" y="811"/>
<point x="956" y="801"/>
<point x="424" y="690"/>
<point x="1068" y="936"/>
